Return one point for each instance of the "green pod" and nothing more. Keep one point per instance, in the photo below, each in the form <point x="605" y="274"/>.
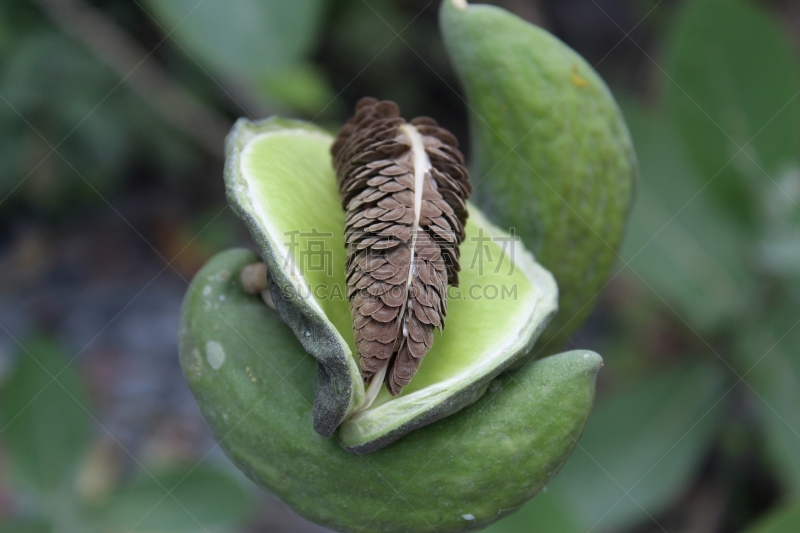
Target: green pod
<point x="551" y="154"/>
<point x="276" y="170"/>
<point x="255" y="384"/>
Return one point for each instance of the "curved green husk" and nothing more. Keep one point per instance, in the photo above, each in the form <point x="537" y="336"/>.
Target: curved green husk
<point x="254" y="383"/>
<point x="281" y="182"/>
<point x="337" y="393"/>
<point x="551" y="154"/>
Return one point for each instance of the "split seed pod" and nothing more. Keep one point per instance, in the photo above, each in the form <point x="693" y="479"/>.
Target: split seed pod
<point x="404" y="188"/>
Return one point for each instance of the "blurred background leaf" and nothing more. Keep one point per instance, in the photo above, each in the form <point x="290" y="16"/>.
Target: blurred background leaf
<point x="781" y="521"/>
<point x="180" y="499"/>
<point x="27" y="528"/>
<point x="44" y="419"/>
<point x="684" y="246"/>
<point x="733" y="84"/>
<point x="638" y="453"/>
<point x="259" y="42"/>
<point x="771" y="367"/>
<point x="55" y="95"/>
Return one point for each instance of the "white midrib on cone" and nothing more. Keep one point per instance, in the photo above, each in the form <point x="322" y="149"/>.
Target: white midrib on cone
<point x="422" y="166"/>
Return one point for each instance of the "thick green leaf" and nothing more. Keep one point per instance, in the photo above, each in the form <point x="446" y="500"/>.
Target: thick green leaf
<point x="202" y="498"/>
<point x="247" y="39"/>
<point x="786" y="520"/>
<point x="44" y="422"/>
<point x="734" y="79"/>
<point x="680" y="243"/>
<point x="647" y="441"/>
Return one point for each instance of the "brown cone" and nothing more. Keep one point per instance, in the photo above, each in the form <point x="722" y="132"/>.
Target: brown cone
<point x="397" y="278"/>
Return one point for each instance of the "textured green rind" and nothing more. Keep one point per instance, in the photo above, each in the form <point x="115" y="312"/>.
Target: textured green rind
<point x="460" y="474"/>
<point x="335" y="391"/>
<point x="552" y="156"/>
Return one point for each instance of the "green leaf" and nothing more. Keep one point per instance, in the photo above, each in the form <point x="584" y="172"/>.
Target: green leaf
<point x="44" y="421"/>
<point x="202" y="498"/>
<point x="647" y="441"/>
<point x="680" y="243"/>
<point x="779" y="250"/>
<point x="26" y="527"/>
<point x="734" y="79"/>
<point x="767" y="359"/>
<point x="246" y="39"/>
<point x="303" y="88"/>
<point x="786" y="520"/>
<point x="547" y="513"/>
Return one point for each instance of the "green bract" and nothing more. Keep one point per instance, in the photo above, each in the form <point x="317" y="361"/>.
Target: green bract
<point x="255" y="384"/>
<point x="552" y="156"/>
<point x="281" y="182"/>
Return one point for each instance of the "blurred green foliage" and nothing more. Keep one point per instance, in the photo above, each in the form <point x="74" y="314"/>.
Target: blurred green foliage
<point x="270" y="35"/>
<point x="731" y="87"/>
<point x="270" y="50"/>
<point x="782" y="521"/>
<point x="47" y="431"/>
<point x="54" y="94"/>
<point x="49" y="439"/>
<point x="641" y="448"/>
